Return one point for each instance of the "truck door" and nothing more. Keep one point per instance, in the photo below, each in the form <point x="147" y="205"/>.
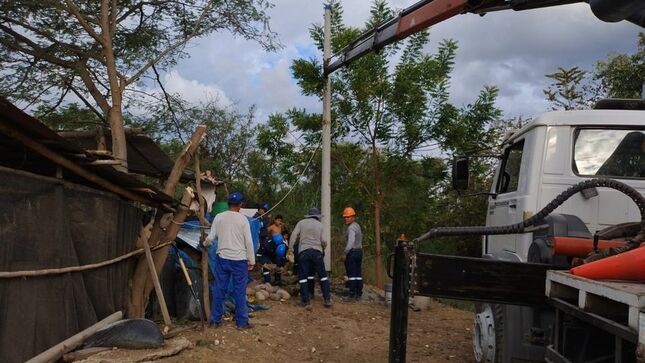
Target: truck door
<point x="504" y="209"/>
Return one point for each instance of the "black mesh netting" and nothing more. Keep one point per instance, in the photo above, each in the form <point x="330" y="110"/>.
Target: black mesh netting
<point x="45" y="223"/>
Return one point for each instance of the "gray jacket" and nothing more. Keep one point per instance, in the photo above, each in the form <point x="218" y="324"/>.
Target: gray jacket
<point x="354" y="237"/>
<point x="310" y="233"/>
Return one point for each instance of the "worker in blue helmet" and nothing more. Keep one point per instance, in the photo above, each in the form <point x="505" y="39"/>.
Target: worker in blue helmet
<point x="273" y="252"/>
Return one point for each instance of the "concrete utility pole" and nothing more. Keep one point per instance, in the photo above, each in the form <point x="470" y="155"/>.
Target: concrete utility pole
<point x="326" y="143"/>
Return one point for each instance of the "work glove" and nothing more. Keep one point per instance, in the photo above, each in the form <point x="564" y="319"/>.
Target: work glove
<point x="290" y="257"/>
<point x="207" y="242"/>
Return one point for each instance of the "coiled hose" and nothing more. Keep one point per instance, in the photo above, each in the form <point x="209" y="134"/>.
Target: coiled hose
<point x="539" y="216"/>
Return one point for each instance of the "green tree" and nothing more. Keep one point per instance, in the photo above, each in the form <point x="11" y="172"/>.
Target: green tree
<point x="619" y="76"/>
<point x="391" y="111"/>
<point x="68" y="117"/>
<point x="228" y="142"/>
<point x="99" y="49"/>
<point x="568" y="90"/>
<point x="622" y="75"/>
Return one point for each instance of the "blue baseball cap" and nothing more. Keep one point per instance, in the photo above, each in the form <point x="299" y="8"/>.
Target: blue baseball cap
<point x="235" y="198"/>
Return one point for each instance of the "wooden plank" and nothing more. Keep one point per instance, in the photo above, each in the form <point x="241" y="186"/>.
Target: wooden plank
<point x="632" y="294"/>
<point x="640" y="350"/>
<point x="602" y="306"/>
<point x="596" y="320"/>
<point x="564" y="292"/>
<point x="479" y="279"/>
<point x="54" y="353"/>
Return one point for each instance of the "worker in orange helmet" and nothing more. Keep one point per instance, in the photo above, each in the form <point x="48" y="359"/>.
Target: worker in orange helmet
<point x="353" y="257"/>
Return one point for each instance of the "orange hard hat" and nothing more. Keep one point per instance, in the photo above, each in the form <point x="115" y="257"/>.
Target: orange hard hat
<point x="349" y="212"/>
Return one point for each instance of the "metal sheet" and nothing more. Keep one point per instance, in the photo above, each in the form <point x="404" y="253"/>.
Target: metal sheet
<point x="478" y="279"/>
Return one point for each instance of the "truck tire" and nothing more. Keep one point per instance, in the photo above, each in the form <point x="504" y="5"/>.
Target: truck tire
<point x="488" y="333"/>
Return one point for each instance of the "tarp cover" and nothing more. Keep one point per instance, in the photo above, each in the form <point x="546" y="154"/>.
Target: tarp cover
<point x="127" y="334"/>
<point x="46" y="223"/>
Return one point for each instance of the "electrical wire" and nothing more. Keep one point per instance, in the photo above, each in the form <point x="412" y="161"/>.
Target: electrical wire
<point x="293" y="186"/>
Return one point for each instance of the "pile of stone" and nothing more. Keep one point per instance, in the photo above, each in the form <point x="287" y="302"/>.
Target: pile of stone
<point x="265" y="291"/>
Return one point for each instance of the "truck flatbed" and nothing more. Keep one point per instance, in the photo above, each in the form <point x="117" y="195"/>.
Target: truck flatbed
<point x="612" y="309"/>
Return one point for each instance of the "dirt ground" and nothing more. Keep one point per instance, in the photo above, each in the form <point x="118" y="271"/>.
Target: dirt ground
<point x="348" y="332"/>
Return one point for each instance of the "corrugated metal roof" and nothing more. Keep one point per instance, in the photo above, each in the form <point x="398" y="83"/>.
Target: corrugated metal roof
<point x="144" y="155"/>
<point x="14" y="154"/>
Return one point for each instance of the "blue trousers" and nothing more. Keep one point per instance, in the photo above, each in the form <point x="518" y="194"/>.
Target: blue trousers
<point x="353" y="262"/>
<point x="296" y="269"/>
<point x="237" y="273"/>
<point x="311" y="262"/>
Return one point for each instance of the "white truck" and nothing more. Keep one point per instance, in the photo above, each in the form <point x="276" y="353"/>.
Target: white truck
<point x="542" y="159"/>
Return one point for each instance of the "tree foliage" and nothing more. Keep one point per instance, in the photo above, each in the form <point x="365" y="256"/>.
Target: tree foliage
<point x="392" y="126"/>
<point x="622" y="75"/>
<point x="568" y="90"/>
<point x="98" y="50"/>
<point x="619" y="76"/>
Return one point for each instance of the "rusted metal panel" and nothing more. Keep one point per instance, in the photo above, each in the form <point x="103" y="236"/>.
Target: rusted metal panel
<point x="429" y="14"/>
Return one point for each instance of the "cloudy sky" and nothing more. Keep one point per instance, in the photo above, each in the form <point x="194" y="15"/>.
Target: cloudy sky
<point x="512" y="50"/>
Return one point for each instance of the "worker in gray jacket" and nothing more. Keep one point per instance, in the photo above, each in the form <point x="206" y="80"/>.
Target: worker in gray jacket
<point x="312" y="244"/>
<point x="353" y="254"/>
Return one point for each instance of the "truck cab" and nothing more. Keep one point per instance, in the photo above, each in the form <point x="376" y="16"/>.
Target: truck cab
<point x="542" y="159"/>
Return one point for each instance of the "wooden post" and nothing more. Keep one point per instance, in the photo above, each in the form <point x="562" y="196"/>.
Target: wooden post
<point x="141" y="284"/>
<point x="325" y="187"/>
<point x="203" y="223"/>
<point x="54" y="353"/>
<point x="155" y="280"/>
<point x="101" y="144"/>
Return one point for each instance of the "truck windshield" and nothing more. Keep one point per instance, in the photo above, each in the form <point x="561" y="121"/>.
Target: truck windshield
<point x="609" y="152"/>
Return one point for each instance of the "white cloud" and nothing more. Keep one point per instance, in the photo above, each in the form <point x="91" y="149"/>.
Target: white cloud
<point x="512" y="50"/>
<point x="194" y="91"/>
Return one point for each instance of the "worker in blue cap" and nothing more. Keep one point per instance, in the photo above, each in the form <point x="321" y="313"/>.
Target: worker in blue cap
<point x="235" y="257"/>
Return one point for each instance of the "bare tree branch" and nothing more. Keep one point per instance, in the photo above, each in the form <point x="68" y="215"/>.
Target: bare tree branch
<point x="60" y="99"/>
<point x="172" y="111"/>
<point x="89" y="105"/>
<point x="35" y="99"/>
<point x="91" y="87"/>
<point x="74" y="10"/>
<point x="71" y="47"/>
<point x="172" y="47"/>
<point x="113" y="13"/>
<point x="35" y="50"/>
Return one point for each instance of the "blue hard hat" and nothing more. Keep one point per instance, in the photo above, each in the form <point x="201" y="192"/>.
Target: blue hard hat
<point x="277" y="239"/>
<point x="265" y="206"/>
<point x="281" y="250"/>
<point x="235" y="198"/>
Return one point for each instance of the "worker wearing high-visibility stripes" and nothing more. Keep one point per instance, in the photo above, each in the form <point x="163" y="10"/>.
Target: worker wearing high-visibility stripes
<point x="353" y="253"/>
<point x="273" y="252"/>
<point x="309" y="231"/>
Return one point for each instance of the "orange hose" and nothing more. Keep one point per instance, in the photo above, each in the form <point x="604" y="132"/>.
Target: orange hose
<point x="580" y="247"/>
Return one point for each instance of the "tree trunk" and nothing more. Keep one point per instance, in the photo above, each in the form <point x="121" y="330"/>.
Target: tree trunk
<point x="115" y="114"/>
<point x="378" y="203"/>
<point x="141" y="283"/>
<point x="119" y="145"/>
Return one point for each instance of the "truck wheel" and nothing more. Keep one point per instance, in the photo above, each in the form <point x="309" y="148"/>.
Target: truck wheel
<point x="488" y="333"/>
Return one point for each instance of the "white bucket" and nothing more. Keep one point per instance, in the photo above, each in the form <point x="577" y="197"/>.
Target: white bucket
<point x="421" y="302"/>
<point x="388" y="294"/>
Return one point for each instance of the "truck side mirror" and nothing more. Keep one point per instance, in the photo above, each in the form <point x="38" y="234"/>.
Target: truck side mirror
<point x="460" y="170"/>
